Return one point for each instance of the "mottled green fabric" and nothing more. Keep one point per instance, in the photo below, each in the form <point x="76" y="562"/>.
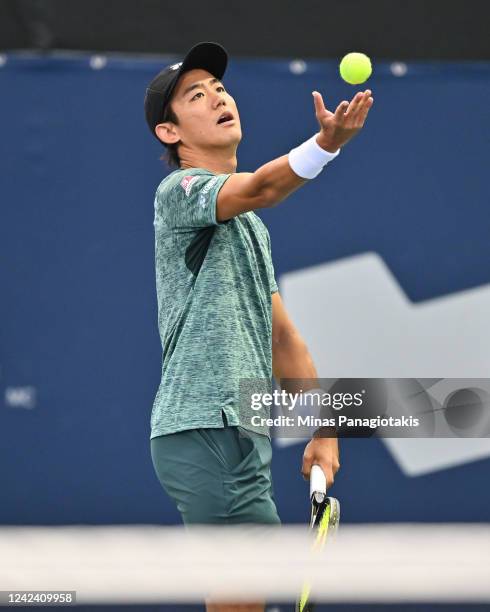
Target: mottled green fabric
<point x="217" y="476"/>
<point x="214" y="284"/>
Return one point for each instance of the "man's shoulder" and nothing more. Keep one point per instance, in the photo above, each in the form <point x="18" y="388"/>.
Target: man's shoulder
<point x="183" y="177"/>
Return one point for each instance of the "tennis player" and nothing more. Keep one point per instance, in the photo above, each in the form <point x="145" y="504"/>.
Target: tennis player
<point x="220" y="315"/>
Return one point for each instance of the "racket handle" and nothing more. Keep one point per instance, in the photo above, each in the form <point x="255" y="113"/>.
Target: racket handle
<point x="318" y="482"/>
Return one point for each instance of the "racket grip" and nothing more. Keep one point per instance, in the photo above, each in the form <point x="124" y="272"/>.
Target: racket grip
<point x="318" y="482"/>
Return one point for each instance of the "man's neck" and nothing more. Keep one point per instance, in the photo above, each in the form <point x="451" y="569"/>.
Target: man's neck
<point x="215" y="163"/>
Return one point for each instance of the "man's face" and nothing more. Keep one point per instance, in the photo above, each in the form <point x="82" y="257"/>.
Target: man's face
<point x="199" y="100"/>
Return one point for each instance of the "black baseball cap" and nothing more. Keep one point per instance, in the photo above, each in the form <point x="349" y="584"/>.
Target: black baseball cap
<point x="209" y="56"/>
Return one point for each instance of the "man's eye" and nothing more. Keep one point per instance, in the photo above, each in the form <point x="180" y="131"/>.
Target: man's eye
<point x="200" y="92"/>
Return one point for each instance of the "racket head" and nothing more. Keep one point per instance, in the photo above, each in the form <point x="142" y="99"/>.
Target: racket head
<point x="324" y="523"/>
<point x="325" y="518"/>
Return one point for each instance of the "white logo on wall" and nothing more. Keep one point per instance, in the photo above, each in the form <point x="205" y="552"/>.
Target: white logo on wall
<point x="20" y="397"/>
<point x="358" y="323"/>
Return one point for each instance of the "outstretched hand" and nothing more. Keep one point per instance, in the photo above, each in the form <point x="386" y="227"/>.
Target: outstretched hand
<point x="336" y="129"/>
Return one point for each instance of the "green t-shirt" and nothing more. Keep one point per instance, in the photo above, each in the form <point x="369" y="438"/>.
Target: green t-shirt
<point x="214" y="284"/>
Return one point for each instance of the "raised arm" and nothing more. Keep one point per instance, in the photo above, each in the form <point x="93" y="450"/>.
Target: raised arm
<point x="274" y="181"/>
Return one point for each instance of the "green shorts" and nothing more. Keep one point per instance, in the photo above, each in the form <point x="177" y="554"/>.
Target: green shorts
<point x="217" y="476"/>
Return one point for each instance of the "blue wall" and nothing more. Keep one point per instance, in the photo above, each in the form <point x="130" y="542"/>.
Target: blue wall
<point x="78" y="305"/>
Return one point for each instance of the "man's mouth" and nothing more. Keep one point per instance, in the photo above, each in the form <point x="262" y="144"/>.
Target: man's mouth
<point x="226" y="116"/>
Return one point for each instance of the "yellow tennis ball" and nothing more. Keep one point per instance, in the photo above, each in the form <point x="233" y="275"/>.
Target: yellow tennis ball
<point x="355" y="68"/>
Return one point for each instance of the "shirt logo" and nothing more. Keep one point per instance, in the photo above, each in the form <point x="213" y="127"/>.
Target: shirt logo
<point x="205" y="190"/>
<point x="186" y="184"/>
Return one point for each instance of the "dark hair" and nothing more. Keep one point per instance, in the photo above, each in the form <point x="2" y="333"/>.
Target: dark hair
<point x="171" y="155"/>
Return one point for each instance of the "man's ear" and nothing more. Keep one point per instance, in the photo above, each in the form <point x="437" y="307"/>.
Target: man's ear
<point x="167" y="132"/>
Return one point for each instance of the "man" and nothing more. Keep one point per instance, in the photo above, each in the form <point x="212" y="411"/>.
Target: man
<point x="221" y="318"/>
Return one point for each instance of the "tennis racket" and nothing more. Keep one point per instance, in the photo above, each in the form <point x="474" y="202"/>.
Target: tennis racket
<point x="324" y="521"/>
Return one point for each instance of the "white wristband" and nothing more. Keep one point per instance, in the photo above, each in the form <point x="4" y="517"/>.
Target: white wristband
<point x="308" y="159"/>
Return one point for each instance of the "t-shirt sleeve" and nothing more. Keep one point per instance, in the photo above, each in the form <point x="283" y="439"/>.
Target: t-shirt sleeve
<point x="270" y="268"/>
<point x="190" y="201"/>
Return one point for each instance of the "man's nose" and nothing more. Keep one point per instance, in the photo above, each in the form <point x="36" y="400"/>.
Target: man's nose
<point x="218" y="99"/>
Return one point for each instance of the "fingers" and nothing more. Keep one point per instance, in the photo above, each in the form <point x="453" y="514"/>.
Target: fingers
<point x="347" y="115"/>
<point x="306" y="466"/>
<point x="365" y="110"/>
<point x="330" y="468"/>
<point x="354" y="104"/>
<point x="340" y="111"/>
<point x="357" y="102"/>
<point x="318" y="101"/>
<point x="359" y="108"/>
